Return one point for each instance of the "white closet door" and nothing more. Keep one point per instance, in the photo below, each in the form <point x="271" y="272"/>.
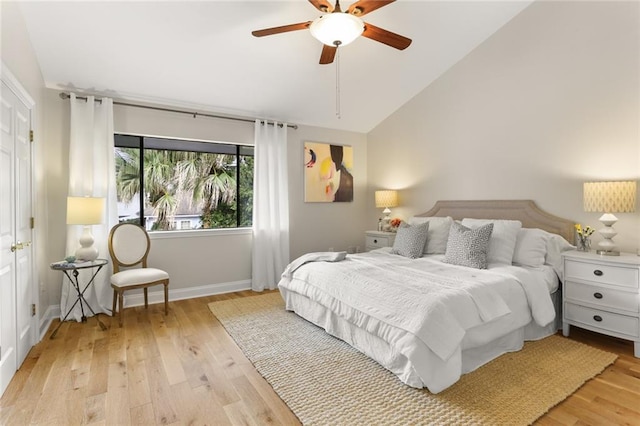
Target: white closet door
<point x="16" y="252"/>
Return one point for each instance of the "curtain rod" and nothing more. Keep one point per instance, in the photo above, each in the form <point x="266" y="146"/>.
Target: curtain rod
<point x="64" y="95"/>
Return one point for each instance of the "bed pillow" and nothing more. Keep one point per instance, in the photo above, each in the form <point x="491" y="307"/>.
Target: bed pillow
<point x="503" y="238"/>
<point x="556" y="245"/>
<point x="531" y="247"/>
<point x="438" y="232"/>
<point x="467" y="246"/>
<point x="410" y="240"/>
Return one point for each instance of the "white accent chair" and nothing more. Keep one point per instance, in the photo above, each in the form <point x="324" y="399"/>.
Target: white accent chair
<point x="129" y="246"/>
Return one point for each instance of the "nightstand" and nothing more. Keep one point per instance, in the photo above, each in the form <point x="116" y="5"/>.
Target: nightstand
<point x="377" y="239"/>
<point x="602" y="294"/>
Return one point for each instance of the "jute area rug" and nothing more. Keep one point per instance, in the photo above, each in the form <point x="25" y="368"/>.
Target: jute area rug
<point x="326" y="382"/>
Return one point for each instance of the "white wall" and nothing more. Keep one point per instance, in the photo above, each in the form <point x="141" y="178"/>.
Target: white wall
<point x="313" y="226"/>
<point x="528" y="115"/>
<point x="211" y="261"/>
<point x="194" y="259"/>
<point x="216" y="260"/>
<point x="549" y="101"/>
<point x="19" y="57"/>
<point x="321" y="226"/>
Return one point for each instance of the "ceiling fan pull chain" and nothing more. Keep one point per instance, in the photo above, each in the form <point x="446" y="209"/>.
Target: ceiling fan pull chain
<point x="338" y="83"/>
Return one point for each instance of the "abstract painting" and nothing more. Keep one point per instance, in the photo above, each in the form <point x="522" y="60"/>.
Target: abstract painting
<point x="327" y="173"/>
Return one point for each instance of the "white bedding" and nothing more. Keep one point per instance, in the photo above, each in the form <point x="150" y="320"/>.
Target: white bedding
<point x="416" y="317"/>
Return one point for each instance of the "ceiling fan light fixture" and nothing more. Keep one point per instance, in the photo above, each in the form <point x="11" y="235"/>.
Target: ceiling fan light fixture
<point x="337" y="29"/>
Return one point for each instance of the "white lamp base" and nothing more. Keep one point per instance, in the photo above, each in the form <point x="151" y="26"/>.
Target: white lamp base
<point x="86" y="252"/>
<point x="607" y="247"/>
<point x="386" y="220"/>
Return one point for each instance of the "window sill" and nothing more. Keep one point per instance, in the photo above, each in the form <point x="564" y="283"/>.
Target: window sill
<point x="198" y="233"/>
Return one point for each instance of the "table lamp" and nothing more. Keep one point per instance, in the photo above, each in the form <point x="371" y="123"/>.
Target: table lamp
<point x="85" y="211"/>
<point x="386" y="199"/>
<point x="608" y="198"/>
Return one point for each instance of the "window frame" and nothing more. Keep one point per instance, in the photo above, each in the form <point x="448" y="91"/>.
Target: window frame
<point x="142" y="142"/>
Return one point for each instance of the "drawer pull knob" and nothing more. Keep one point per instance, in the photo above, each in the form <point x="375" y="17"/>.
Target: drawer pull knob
<point x="598" y="273"/>
<point x="597" y="318"/>
<point x="597" y="295"/>
<point x="375" y="241"/>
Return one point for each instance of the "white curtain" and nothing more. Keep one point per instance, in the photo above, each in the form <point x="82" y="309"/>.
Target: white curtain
<point x="270" y="205"/>
<point x="91" y="173"/>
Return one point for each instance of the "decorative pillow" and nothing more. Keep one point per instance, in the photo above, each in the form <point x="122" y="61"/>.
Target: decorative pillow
<point x="503" y="238"/>
<point x="531" y="247"/>
<point x="438" y="232"/>
<point x="467" y="246"/>
<point x="410" y="240"/>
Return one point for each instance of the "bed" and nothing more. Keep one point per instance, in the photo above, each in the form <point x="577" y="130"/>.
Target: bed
<point x="427" y="318"/>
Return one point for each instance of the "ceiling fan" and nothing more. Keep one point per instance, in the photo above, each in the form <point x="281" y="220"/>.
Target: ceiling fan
<point x="337" y="28"/>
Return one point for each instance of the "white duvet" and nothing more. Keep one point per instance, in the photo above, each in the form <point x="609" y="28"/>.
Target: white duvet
<point x="421" y="308"/>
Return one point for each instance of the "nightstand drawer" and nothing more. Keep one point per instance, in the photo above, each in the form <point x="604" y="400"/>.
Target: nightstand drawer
<point x="376" y="242"/>
<point x="602" y="296"/>
<point x="605" y="274"/>
<point x="601" y="319"/>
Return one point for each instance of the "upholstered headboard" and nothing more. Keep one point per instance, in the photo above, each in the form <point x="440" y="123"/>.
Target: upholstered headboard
<point x="525" y="211"/>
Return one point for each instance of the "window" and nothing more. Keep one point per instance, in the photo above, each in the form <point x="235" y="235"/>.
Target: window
<point x="183" y="184"/>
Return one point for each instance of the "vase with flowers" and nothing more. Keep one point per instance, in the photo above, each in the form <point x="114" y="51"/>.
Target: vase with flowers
<point x="583" y="240"/>
<point x="394" y="224"/>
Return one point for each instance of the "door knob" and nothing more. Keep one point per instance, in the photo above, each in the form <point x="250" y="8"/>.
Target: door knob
<point x="17" y="246"/>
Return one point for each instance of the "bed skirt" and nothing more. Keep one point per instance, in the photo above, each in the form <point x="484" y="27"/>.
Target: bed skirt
<point x="442" y="374"/>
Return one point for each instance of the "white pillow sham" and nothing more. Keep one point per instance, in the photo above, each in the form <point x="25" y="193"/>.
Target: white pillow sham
<point x="555" y="246"/>
<point x="531" y="247"/>
<point x="503" y="238"/>
<point x="438" y="232"/>
<point x="536" y="247"/>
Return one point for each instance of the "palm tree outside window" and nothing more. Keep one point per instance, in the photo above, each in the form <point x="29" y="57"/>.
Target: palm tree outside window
<point x="172" y="184"/>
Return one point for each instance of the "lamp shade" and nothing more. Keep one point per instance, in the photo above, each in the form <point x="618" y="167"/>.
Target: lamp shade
<point x="85" y="210"/>
<point x="610" y="197"/>
<point x="386" y="198"/>
<point x="337" y="29"/>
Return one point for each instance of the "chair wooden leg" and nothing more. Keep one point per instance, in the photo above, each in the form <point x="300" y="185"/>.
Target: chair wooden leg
<point x="120" y="304"/>
<point x="115" y="300"/>
<point x="166" y="299"/>
<point x="146" y="298"/>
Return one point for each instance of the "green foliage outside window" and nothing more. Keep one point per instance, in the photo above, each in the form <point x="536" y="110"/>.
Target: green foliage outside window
<point x="186" y="183"/>
<point x="246" y="191"/>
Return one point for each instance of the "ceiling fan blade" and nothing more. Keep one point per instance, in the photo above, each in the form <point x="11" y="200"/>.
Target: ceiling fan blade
<point x="328" y="54"/>
<point x="386" y="37"/>
<point x="322" y="5"/>
<point x="362" y="7"/>
<point x="282" y="29"/>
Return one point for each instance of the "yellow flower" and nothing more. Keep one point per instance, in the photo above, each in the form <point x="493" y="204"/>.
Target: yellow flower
<point x="585" y="232"/>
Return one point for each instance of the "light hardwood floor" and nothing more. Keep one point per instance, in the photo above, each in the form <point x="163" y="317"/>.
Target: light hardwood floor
<point x="185" y="369"/>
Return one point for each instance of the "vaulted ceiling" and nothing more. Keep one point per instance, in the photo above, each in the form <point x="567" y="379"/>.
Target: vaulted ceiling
<point x="202" y="55"/>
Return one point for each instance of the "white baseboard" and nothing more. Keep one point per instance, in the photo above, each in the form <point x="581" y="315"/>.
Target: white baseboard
<point x="52" y="312"/>
<point x="156" y="296"/>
